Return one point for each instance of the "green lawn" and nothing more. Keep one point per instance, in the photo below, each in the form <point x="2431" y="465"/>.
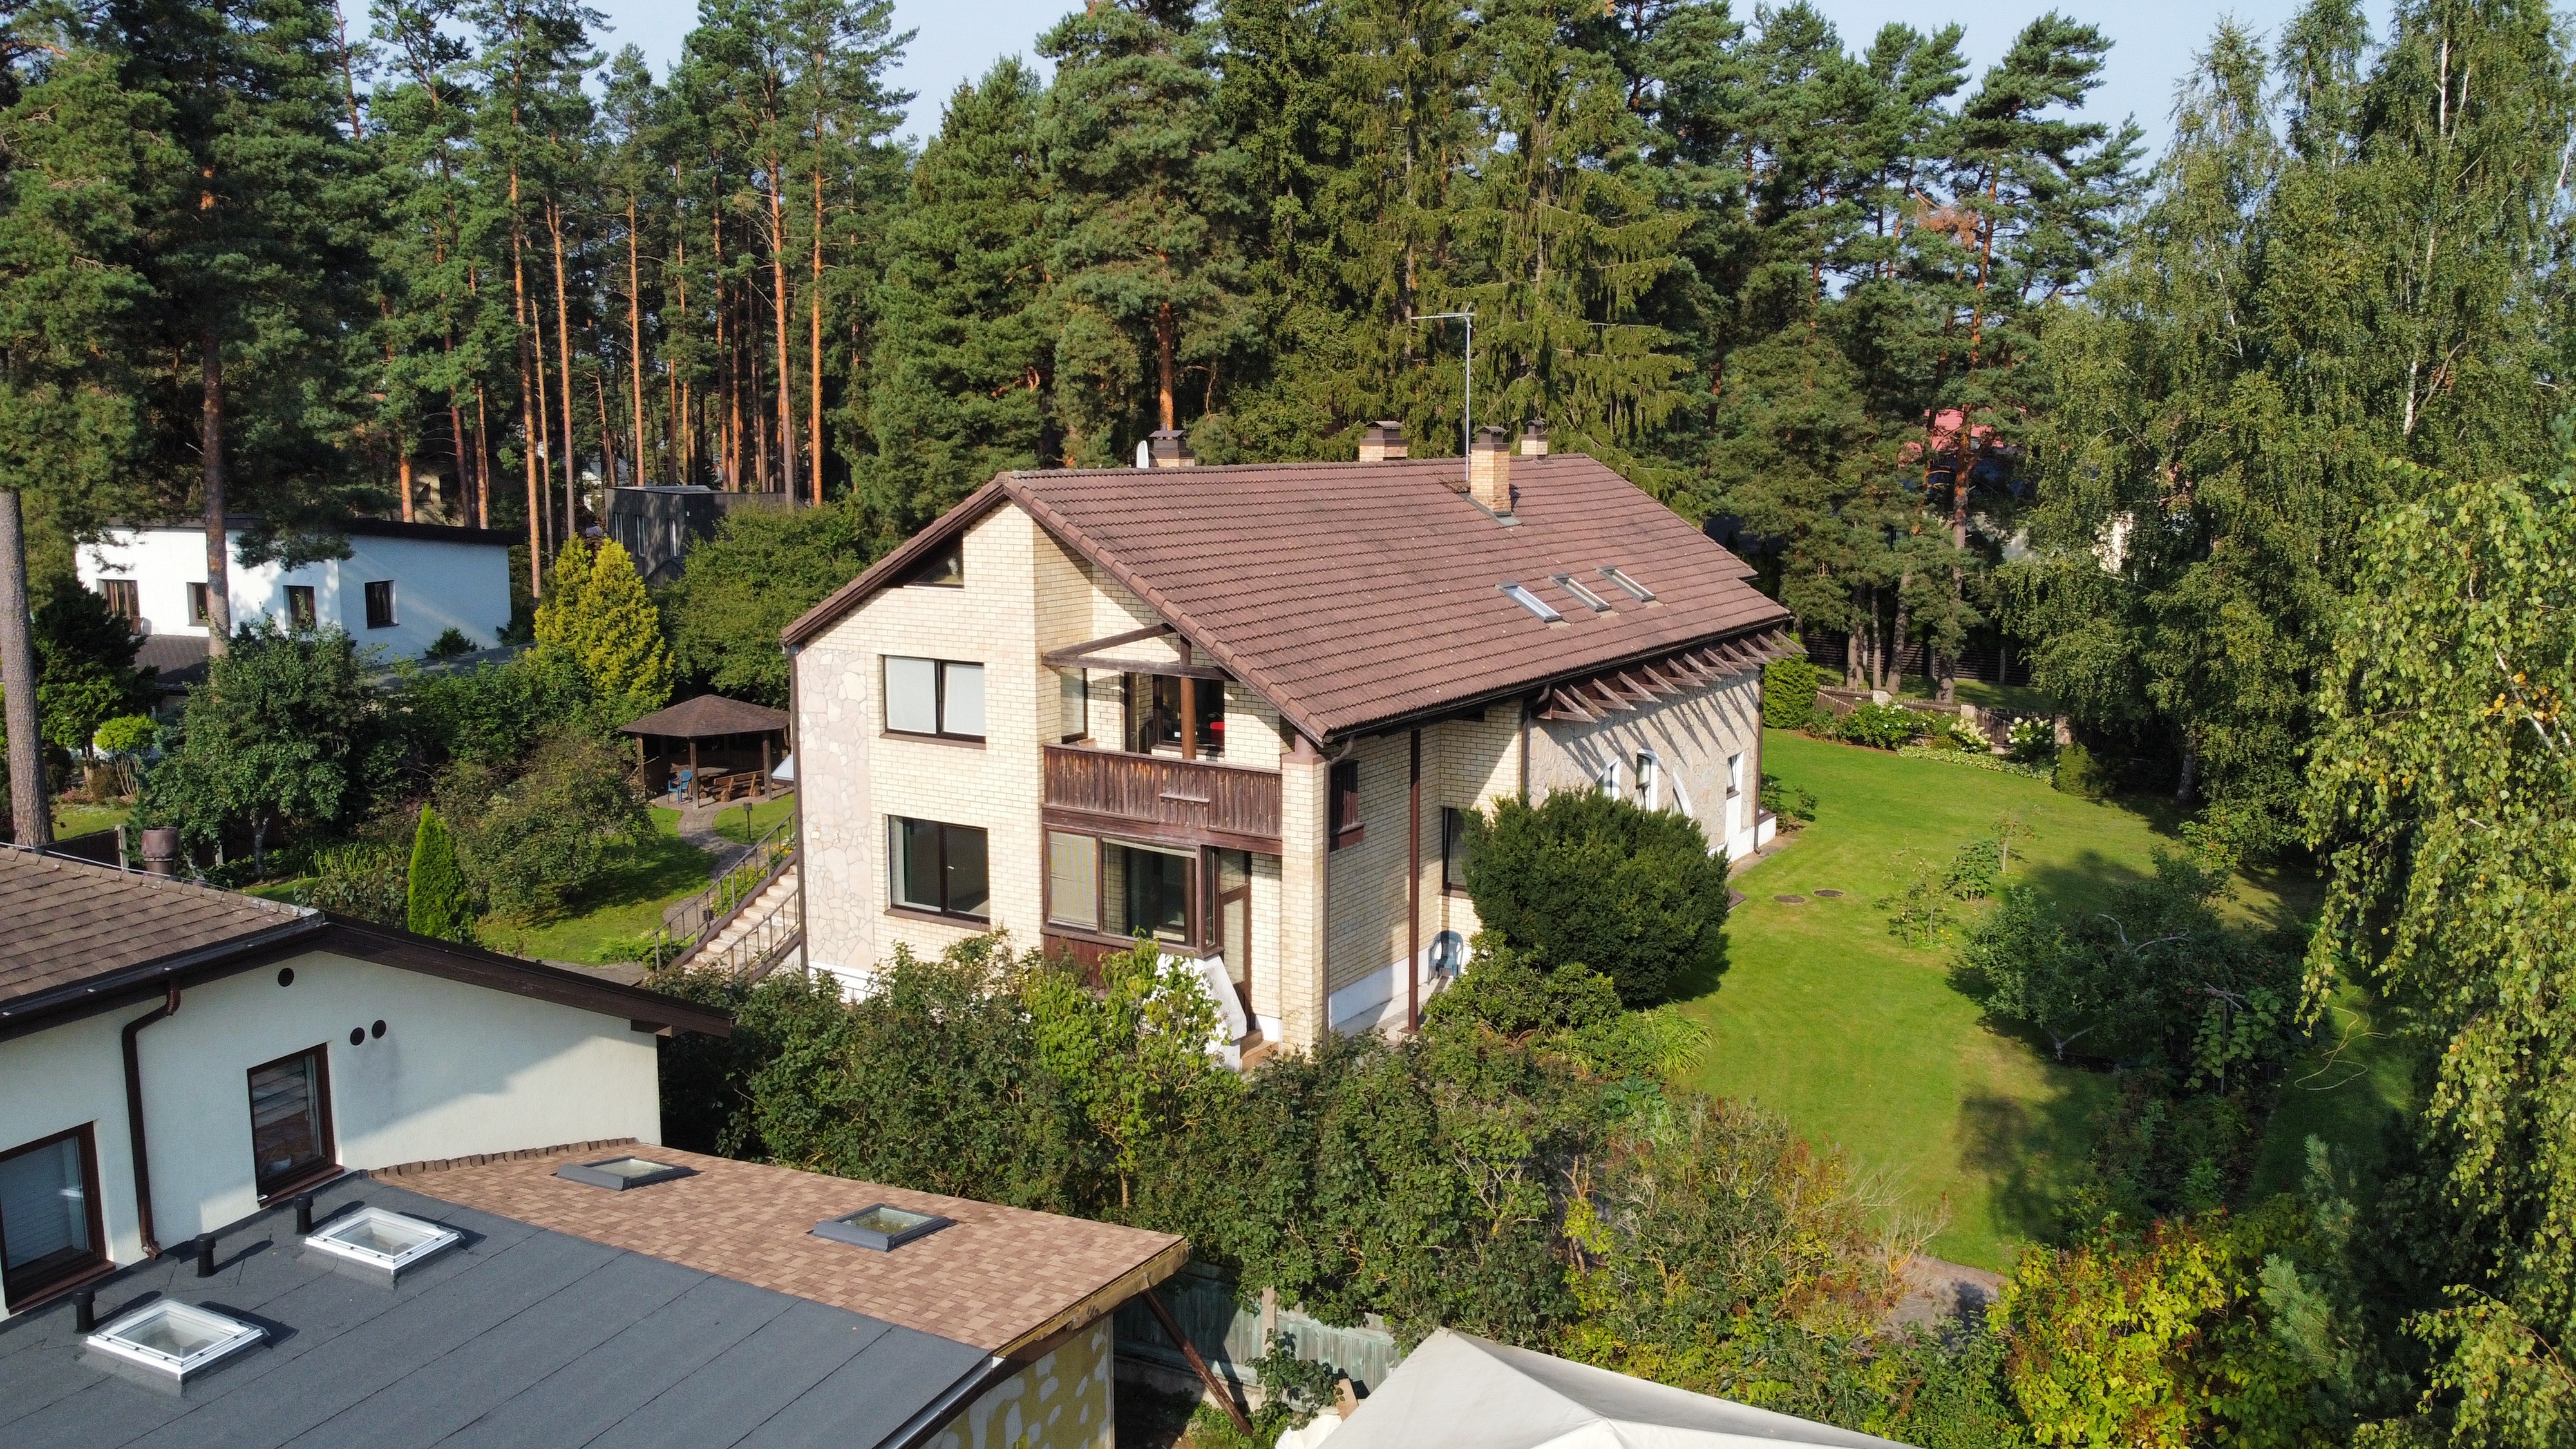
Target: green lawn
<point x="730" y="824"/>
<point x="1865" y="1043"/>
<point x="74" y="817"/>
<point x="626" y="900"/>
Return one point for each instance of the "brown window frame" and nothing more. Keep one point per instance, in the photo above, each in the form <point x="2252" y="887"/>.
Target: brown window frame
<point x="201" y="608"/>
<point x="23" y="1290"/>
<point x="1453" y="851"/>
<point x="327" y="1166"/>
<point x="1343" y="805"/>
<point x="303" y="609"/>
<point x="938" y="698"/>
<point x="384" y="618"/>
<point x="897" y="859"/>
<point x="124" y="598"/>
<point x="944" y="567"/>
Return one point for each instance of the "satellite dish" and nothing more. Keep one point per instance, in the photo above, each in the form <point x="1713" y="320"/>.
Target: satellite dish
<point x="1448" y="953"/>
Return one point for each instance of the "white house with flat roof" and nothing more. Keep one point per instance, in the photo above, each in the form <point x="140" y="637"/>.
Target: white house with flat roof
<point x="400" y="588"/>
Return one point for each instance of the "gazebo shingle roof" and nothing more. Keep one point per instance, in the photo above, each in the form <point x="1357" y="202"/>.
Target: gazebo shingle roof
<point x="708" y="716"/>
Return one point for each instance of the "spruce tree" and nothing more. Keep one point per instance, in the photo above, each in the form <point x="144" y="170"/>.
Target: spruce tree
<point x="437" y="901"/>
<point x="598" y="615"/>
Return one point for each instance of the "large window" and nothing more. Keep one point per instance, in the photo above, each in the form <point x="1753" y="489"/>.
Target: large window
<point x="1154" y="893"/>
<point x="939" y="867"/>
<point x="1124" y="890"/>
<point x="1156" y="710"/>
<point x="938" y="697"/>
<point x="290" y="1121"/>
<point x="49" y="1221"/>
<point x="380" y="604"/>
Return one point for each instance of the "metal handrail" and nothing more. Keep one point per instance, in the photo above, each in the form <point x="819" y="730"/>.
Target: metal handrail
<point x="688" y="924"/>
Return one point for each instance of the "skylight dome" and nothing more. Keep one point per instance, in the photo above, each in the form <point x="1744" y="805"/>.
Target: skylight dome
<point x="378" y="1244"/>
<point x="165" y="1343"/>
<point x="881" y="1226"/>
<point x="617" y="1174"/>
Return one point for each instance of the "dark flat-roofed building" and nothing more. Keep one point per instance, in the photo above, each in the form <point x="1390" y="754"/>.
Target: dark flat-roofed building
<point x="698" y="1309"/>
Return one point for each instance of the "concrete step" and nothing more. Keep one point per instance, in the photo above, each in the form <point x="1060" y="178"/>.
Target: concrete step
<point x="779" y="895"/>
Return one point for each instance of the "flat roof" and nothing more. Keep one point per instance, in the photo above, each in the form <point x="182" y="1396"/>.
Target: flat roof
<point x="522" y="1336"/>
<point x="1001" y="1278"/>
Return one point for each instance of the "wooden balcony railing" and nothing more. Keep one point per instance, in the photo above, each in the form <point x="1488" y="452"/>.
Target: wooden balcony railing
<point x="1153" y="797"/>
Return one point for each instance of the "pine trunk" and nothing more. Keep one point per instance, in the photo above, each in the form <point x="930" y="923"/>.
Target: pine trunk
<point x="531" y="418"/>
<point x="210" y="448"/>
<point x="563" y="353"/>
<point x="635" y="333"/>
<point x="778" y="306"/>
<point x="814" y="361"/>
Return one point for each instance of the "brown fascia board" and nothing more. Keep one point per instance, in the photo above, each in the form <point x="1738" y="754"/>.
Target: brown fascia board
<point x="874" y="577"/>
<point x="1536" y="689"/>
<point x="384" y="945"/>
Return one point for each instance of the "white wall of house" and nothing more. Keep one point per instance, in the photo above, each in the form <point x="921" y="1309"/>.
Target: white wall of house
<point x="439" y="584"/>
<point x="1692" y="740"/>
<point x="461" y="1069"/>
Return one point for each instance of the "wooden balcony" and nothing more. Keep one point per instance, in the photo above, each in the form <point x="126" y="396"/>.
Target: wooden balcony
<point x="1153" y="797"/>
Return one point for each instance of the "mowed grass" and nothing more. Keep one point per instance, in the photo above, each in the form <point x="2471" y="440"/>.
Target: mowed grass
<point x="1867" y="1044"/>
<point x="625" y="901"/>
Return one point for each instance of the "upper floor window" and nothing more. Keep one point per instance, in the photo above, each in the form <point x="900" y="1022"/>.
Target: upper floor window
<point x="380" y="604"/>
<point x="200" y="611"/>
<point x="1346" y="804"/>
<point x="1159" y="705"/>
<point x="1072" y="705"/>
<point x="943" y="567"/>
<point x="300" y="613"/>
<point x="124" y="599"/>
<point x="1650" y="772"/>
<point x="49" y="1218"/>
<point x="940" y="697"/>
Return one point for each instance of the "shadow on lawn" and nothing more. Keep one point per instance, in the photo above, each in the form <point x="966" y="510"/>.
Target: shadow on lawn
<point x="644" y="870"/>
<point x="2017" y="1146"/>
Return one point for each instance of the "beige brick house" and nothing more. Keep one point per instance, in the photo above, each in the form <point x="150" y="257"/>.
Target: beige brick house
<point x="1244" y="709"/>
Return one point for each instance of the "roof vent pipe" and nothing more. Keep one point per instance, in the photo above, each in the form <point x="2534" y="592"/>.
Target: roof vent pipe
<point x="1166" y="450"/>
<point x="1489" y="472"/>
<point x="1383" y="442"/>
<point x="1534" y="440"/>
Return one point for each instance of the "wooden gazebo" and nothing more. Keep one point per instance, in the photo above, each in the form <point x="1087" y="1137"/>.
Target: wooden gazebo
<point x="731" y="747"/>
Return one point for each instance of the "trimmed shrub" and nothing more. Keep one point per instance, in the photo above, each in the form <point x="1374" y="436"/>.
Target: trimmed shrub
<point x="1789" y="692"/>
<point x="437" y="902"/>
<point x="2031" y="741"/>
<point x="2078" y="773"/>
<point x="1588" y="879"/>
<point x="1787" y="801"/>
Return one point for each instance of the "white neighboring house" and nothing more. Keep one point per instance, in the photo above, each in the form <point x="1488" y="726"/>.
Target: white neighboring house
<point x="175" y="1058"/>
<point x="400" y="588"/>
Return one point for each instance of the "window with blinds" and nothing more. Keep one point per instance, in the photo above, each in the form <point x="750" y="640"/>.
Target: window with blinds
<point x="1073" y="879"/>
<point x="48" y="1214"/>
<point x="290" y="1120"/>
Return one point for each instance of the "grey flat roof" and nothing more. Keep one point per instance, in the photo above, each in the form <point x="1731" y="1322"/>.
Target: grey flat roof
<point x="520" y="1337"/>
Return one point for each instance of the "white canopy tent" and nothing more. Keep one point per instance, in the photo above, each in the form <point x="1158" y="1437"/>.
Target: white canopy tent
<point x="1458" y="1391"/>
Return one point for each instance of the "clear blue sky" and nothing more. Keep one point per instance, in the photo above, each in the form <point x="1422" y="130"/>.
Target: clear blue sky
<point x="958" y="39"/>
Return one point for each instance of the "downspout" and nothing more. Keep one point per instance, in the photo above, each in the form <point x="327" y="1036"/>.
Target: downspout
<point x="1413" y="896"/>
<point x="1525" y="716"/>
<point x="134" y="1117"/>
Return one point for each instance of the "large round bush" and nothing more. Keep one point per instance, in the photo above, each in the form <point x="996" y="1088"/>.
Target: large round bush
<point x="1587" y="878"/>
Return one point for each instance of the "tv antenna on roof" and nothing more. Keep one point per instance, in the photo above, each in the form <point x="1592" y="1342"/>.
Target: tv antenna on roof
<point x="1467" y="437"/>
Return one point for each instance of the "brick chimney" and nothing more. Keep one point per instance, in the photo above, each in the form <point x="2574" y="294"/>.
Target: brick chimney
<point x="1166" y="450"/>
<point x="1534" y="440"/>
<point x="1489" y="472"/>
<point x="1382" y="443"/>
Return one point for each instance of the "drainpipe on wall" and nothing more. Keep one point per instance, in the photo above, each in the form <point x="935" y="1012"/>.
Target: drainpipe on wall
<point x="134" y="1117"/>
<point x="1413" y="895"/>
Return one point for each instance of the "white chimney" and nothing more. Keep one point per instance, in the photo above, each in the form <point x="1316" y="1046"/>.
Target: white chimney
<point x="1382" y="442"/>
<point x="1534" y="440"/>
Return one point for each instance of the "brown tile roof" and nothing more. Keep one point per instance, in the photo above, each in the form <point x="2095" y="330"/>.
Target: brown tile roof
<point x="999" y="1278"/>
<point x="70" y="921"/>
<point x="1353" y="595"/>
<point x="707" y="716"/>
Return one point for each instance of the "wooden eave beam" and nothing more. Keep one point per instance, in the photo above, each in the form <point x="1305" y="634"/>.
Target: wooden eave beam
<point x="1077" y="656"/>
<point x="1154" y="666"/>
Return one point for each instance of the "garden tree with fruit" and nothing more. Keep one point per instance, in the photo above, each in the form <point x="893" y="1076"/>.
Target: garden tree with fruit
<point x="1585" y="878"/>
<point x="531" y="833"/>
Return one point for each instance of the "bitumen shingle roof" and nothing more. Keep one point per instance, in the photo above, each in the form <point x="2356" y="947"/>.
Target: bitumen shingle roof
<point x="1000" y="1278"/>
<point x="521" y="1337"/>
<point x="707" y="716"/>
<point x="1353" y="595"/>
<point x="70" y="921"/>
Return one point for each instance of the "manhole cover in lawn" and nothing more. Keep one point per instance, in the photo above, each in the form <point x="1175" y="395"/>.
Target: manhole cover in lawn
<point x="1829" y="895"/>
<point x="1791" y="900"/>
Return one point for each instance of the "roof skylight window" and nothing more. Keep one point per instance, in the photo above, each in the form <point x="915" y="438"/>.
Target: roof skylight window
<point x="620" y="1173"/>
<point x="1533" y="603"/>
<point x="1590" y="600"/>
<point x="378" y="1244"/>
<point x="881" y="1226"/>
<point x="169" y="1342"/>
<point x="1636" y="590"/>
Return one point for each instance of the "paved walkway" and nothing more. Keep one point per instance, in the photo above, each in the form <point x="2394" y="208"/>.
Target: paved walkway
<point x="1937" y="1292"/>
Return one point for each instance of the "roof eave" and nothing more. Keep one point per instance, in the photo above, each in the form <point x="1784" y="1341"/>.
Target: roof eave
<point x="872" y="578"/>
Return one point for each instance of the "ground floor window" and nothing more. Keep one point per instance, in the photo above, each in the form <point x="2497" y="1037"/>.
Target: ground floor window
<point x="49" y="1219"/>
<point x="1154" y="894"/>
<point x="939" y="867"/>
<point x="1125" y="890"/>
<point x="1073" y="879"/>
<point x="290" y="1120"/>
<point x="1453" y="850"/>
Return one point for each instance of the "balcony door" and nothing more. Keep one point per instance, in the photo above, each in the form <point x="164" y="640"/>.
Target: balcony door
<point x="1234" y="921"/>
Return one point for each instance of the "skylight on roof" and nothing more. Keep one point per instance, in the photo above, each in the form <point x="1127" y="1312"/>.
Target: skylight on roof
<point x="167" y="1339"/>
<point x="881" y="1226"/>
<point x="1533" y="603"/>
<point x="380" y="1244"/>
<point x="1639" y="591"/>
<point x="617" y="1174"/>
<point x="1590" y="600"/>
